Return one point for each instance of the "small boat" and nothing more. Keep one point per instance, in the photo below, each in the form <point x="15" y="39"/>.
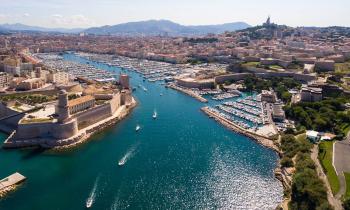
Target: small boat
<point x="121" y="162"/>
<point x="89" y="202"/>
<point x="161" y="94"/>
<point x="137" y="128"/>
<point x="154" y="115"/>
<point x="145" y="89"/>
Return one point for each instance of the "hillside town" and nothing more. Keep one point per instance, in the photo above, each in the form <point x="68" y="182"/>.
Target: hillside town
<point x="287" y="88"/>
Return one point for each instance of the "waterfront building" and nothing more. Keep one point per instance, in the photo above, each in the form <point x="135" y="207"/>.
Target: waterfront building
<point x="4" y="79"/>
<point x="80" y="104"/>
<point x="312" y="135"/>
<point x="26" y="67"/>
<point x="58" y="77"/>
<point x="310" y="94"/>
<point x="325" y="65"/>
<point x="278" y="114"/>
<point x="268" y="96"/>
<point x="29" y="84"/>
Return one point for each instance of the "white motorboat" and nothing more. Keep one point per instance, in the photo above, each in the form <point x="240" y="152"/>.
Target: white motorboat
<point x="154" y="115"/>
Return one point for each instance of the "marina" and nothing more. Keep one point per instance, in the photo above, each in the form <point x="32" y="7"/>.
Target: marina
<point x="87" y="71"/>
<point x="151" y="70"/>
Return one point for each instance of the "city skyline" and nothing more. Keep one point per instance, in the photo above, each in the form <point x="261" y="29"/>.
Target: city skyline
<point x="84" y="14"/>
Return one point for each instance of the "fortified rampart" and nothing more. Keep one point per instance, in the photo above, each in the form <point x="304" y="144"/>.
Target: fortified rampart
<point x="31" y="134"/>
<point x="46" y="130"/>
<point x="10" y="124"/>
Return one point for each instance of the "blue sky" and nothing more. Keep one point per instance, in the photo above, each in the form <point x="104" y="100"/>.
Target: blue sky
<point x="86" y="13"/>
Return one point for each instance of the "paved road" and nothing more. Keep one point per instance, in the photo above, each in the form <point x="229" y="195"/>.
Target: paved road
<point x="331" y="199"/>
<point x="341" y="155"/>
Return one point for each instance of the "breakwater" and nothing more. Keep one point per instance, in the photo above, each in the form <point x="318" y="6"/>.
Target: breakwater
<point x="189" y="92"/>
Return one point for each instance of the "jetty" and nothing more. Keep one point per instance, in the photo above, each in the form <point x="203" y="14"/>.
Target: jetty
<point x="10" y="183"/>
<point x="189" y="92"/>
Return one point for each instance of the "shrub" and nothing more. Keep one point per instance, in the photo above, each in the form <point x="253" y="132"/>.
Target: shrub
<point x="286" y="162"/>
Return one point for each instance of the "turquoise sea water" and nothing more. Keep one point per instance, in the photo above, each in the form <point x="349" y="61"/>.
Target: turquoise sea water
<point x="181" y="160"/>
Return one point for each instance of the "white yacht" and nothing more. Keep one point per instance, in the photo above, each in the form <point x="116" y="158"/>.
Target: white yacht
<point x="154" y="115"/>
<point x="89" y="202"/>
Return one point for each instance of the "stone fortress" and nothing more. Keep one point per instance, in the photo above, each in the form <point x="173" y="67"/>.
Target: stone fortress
<point x="67" y="122"/>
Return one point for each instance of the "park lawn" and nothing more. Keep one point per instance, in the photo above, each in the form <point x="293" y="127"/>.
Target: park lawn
<point x="325" y="156"/>
<point x="276" y="67"/>
<point x="251" y="64"/>
<point x="343" y="68"/>
<point x="36" y="120"/>
<point x="347" y="179"/>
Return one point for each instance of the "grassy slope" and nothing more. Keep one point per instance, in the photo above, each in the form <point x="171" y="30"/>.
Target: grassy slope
<point x="347" y="179"/>
<point x="325" y="156"/>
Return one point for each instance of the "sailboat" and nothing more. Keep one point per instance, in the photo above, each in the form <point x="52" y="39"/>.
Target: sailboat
<point x="154" y="115"/>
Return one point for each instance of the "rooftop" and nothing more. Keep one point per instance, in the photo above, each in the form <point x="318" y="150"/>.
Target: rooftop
<point x="80" y="100"/>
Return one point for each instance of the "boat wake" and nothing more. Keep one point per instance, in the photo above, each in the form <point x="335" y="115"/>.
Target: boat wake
<point x="128" y="155"/>
<point x="91" y="199"/>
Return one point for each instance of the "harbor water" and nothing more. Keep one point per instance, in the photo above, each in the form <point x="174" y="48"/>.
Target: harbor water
<point x="180" y="160"/>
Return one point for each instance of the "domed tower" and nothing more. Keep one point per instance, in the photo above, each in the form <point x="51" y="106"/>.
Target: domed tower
<point x="62" y="107"/>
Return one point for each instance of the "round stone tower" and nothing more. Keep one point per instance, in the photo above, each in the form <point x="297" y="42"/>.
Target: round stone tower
<point x="63" y="110"/>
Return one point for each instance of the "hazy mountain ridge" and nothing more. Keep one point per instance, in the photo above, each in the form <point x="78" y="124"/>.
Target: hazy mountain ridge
<point x="148" y="28"/>
<point x="22" y="27"/>
<point x="161" y="27"/>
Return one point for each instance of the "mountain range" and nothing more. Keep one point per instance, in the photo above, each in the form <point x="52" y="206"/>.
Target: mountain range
<point x="145" y="28"/>
<point x="162" y="27"/>
<point x="22" y="27"/>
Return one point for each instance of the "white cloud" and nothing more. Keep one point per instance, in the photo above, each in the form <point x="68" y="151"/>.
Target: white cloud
<point x="71" y="21"/>
<point x="26" y="15"/>
<point x="3" y="16"/>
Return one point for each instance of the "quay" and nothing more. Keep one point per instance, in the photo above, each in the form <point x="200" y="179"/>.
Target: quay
<point x="189" y="92"/>
<point x="263" y="140"/>
<point x="10" y="183"/>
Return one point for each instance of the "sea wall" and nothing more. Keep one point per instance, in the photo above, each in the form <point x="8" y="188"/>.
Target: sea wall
<point x="115" y="103"/>
<point x="10" y="124"/>
<point x="230" y="77"/>
<point x="98" y="113"/>
<point x="65" y="130"/>
<point x="200" y="84"/>
<point x="46" y="130"/>
<point x="266" y="74"/>
<point x="93" y="115"/>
